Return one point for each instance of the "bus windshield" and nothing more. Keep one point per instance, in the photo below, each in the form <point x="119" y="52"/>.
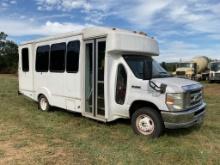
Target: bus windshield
<point x="158" y="71"/>
<point x="141" y="64"/>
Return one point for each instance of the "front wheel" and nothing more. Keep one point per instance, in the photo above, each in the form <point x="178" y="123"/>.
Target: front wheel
<point x="148" y="122"/>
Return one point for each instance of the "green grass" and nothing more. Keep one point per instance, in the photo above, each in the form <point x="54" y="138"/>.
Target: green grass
<point x="28" y="136"/>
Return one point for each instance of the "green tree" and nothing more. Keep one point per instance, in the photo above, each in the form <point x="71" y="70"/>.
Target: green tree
<point x="8" y="54"/>
<point x="3" y="36"/>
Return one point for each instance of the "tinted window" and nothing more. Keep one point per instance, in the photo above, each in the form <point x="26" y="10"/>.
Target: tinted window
<point x="72" y="59"/>
<point x="25" y="60"/>
<point x="42" y="58"/>
<point x="57" y="57"/>
<point x="101" y="60"/>
<point x="136" y="65"/>
<point x="140" y="65"/>
<point x="121" y="85"/>
<point x="101" y="67"/>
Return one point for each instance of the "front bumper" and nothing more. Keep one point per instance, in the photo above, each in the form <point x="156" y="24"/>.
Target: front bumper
<point x="184" y="119"/>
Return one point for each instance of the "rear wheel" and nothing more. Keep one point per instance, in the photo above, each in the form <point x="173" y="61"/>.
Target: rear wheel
<point x="43" y="103"/>
<point x="148" y="122"/>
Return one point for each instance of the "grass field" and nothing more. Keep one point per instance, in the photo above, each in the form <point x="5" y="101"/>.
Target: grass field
<point x="28" y="136"/>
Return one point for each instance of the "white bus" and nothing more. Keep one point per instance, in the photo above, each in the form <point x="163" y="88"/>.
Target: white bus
<point x="106" y="74"/>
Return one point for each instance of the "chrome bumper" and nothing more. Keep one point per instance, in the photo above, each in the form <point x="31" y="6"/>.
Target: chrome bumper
<point x="184" y="119"/>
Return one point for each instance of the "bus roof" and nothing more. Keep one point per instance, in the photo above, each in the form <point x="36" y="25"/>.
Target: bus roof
<point x="87" y="33"/>
<point x="120" y="39"/>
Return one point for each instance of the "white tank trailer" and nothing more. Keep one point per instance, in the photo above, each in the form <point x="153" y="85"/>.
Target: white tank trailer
<point x="197" y="68"/>
<point x="201" y="63"/>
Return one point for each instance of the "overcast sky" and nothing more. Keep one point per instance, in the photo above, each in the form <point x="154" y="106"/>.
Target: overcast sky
<point x="183" y="28"/>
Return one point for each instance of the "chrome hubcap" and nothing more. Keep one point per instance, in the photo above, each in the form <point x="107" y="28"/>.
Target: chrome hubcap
<point x="43" y="104"/>
<point x="145" y="124"/>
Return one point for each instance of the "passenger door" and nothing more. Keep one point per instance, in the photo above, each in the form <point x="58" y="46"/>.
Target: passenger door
<point x="94" y="78"/>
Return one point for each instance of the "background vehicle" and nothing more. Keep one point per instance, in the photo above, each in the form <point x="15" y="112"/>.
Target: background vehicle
<point x="196" y="69"/>
<point x="106" y="74"/>
<point x="186" y="70"/>
<point x="214" y="74"/>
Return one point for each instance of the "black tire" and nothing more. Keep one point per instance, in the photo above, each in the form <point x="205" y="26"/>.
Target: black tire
<point x="150" y="116"/>
<point x="46" y="107"/>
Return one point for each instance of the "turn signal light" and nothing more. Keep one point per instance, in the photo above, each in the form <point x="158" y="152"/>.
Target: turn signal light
<point x="169" y="100"/>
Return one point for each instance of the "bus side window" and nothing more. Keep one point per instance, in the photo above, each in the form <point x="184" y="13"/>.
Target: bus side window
<point x="72" y="57"/>
<point x="25" y="59"/>
<point x="57" y="57"/>
<point x="42" y="58"/>
<point x="121" y="85"/>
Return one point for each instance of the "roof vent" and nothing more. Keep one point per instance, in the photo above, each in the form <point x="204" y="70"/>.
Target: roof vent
<point x="143" y="33"/>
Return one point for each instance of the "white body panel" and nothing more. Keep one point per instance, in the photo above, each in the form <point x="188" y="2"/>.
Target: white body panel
<point x="61" y="89"/>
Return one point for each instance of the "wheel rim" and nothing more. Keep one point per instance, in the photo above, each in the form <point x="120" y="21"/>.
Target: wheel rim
<point x="145" y="124"/>
<point x="43" y="104"/>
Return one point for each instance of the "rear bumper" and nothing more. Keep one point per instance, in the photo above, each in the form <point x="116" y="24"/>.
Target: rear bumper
<point x="184" y="119"/>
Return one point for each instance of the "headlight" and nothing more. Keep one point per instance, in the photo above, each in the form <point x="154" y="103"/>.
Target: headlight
<point x="175" y="101"/>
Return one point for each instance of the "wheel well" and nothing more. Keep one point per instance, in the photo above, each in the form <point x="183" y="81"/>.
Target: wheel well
<point x="44" y="96"/>
<point x="40" y="96"/>
<point x="139" y="104"/>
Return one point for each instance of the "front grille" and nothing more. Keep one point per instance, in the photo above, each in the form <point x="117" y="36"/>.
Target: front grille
<point x="180" y="73"/>
<point x="195" y="98"/>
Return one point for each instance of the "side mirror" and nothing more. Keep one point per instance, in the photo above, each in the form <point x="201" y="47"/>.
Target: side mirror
<point x="163" y="88"/>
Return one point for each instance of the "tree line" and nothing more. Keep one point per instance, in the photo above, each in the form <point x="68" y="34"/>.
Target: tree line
<point x="8" y="55"/>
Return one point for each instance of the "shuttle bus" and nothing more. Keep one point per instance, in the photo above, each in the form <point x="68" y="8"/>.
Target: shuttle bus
<point x="106" y="74"/>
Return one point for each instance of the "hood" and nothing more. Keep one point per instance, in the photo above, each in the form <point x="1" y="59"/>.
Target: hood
<point x="175" y="84"/>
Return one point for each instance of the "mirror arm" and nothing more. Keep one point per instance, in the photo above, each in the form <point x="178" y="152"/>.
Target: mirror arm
<point x="161" y="88"/>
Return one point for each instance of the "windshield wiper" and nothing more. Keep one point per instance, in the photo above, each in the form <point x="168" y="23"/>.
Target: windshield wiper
<point x="163" y="73"/>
